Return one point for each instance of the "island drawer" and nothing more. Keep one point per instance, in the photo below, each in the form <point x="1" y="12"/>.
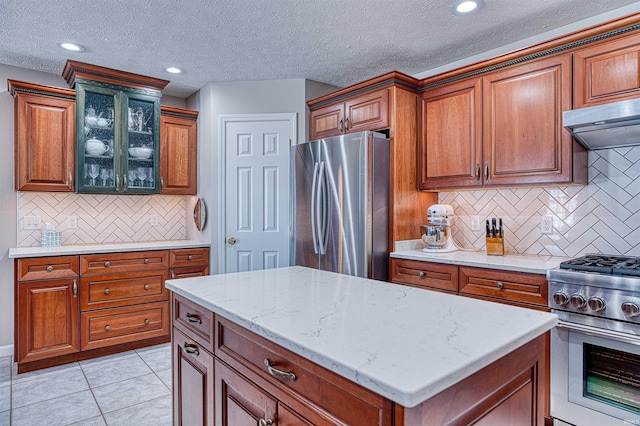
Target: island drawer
<point x="189" y="272"/>
<point x="511" y="286"/>
<point x="112" y="290"/>
<point x="424" y="274"/>
<point x="135" y="261"/>
<point x="194" y="321"/>
<point x="347" y="401"/>
<point x="112" y="326"/>
<point x="46" y="268"/>
<point x="189" y="257"/>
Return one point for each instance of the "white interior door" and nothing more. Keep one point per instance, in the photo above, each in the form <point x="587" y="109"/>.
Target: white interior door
<point x="257" y="192"/>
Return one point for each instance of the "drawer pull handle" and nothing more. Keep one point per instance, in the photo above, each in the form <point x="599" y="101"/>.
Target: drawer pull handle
<point x="75" y="288"/>
<point x="147" y="322"/>
<point x="190" y="257"/>
<point x="193" y="318"/>
<point x="49" y="268"/>
<point x="173" y="275"/>
<point x="107" y="328"/>
<point x="146" y="261"/>
<point x="279" y="373"/>
<point x="107" y="291"/>
<point x="264" y="422"/>
<point x="147" y="286"/>
<point x="499" y="285"/>
<point x="191" y="349"/>
<point x="421" y="274"/>
<point x="107" y="264"/>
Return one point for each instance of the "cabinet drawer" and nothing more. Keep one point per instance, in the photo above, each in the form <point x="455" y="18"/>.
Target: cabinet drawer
<point x="106" y="263"/>
<point x="195" y="271"/>
<point x="514" y="286"/>
<point x="189" y="257"/>
<point x="342" y="398"/>
<point x="194" y="321"/>
<point x="106" y="291"/>
<point x="121" y="325"/>
<point x="45" y="268"/>
<point x="424" y="274"/>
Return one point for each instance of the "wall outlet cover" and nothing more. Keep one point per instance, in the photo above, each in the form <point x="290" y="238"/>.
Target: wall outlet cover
<point x="153" y="220"/>
<point x="31" y="222"/>
<point x="475" y="223"/>
<point x="546" y="225"/>
<point x="72" y="222"/>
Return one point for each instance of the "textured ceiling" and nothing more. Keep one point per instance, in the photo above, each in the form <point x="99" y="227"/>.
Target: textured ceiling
<point x="339" y="42"/>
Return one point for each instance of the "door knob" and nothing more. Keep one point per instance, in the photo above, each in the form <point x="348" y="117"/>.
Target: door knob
<point x="231" y="241"/>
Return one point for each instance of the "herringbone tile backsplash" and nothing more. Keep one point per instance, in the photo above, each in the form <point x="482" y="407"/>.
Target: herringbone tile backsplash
<point x="603" y="217"/>
<point x="103" y="218"/>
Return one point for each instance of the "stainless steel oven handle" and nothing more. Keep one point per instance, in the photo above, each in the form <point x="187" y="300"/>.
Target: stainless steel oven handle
<point x="607" y="334"/>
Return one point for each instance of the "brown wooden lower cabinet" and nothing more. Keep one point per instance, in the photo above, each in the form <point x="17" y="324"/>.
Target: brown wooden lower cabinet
<point x="244" y="391"/>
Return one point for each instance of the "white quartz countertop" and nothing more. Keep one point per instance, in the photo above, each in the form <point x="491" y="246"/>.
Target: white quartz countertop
<point x="38" y="251"/>
<point x="510" y="262"/>
<point x="404" y="343"/>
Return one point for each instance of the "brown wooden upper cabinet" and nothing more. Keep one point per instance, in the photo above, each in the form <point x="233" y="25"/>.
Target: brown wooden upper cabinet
<point x="607" y="72"/>
<point x="368" y="111"/>
<point x="178" y="151"/>
<point x="45" y="137"/>
<point x="502" y="129"/>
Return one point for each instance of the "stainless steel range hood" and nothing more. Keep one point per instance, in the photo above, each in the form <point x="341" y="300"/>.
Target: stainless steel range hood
<point x="605" y="126"/>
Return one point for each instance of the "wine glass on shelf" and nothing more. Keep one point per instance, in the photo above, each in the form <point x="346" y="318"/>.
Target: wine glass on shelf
<point x="94" y="171"/>
<point x="142" y="175"/>
<point x="150" y="177"/>
<point x="104" y="175"/>
<point x="131" y="175"/>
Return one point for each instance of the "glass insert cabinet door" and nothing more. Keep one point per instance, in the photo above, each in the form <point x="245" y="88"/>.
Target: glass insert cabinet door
<point x="117" y="140"/>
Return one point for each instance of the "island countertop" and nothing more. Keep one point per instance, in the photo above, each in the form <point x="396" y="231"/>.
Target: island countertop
<point x="404" y="343"/>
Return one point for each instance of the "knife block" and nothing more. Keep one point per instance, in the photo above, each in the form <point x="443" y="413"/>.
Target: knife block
<point x="495" y="246"/>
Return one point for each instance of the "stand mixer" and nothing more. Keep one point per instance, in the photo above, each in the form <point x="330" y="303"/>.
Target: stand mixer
<point x="437" y="235"/>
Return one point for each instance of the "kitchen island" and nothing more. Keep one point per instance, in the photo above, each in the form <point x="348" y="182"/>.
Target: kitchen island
<point x="406" y="355"/>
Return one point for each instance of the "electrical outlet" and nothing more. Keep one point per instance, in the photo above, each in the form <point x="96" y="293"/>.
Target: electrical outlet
<point x="475" y="223"/>
<point x="72" y="222"/>
<point x="546" y="225"/>
<point x="32" y="222"/>
<point x="153" y="220"/>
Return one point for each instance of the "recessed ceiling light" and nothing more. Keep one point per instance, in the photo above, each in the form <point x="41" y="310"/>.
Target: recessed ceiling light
<point x="465" y="7"/>
<point x="173" y="70"/>
<point x="74" y="47"/>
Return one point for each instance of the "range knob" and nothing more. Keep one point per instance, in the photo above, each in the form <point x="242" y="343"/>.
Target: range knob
<point x="577" y="301"/>
<point x="596" y="304"/>
<point x="561" y="298"/>
<point x="630" y="309"/>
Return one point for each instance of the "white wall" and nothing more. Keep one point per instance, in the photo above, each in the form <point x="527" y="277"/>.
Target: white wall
<point x="249" y="97"/>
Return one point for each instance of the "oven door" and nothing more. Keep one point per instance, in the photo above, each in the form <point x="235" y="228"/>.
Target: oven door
<point x="595" y="376"/>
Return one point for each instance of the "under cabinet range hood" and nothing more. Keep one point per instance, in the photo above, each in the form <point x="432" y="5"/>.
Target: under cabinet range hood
<point x="605" y="126"/>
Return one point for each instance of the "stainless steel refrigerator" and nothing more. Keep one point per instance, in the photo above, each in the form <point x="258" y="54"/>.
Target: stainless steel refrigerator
<point x="340" y="208"/>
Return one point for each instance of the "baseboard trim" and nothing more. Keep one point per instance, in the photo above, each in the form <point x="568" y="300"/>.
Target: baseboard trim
<point x="6" y="350"/>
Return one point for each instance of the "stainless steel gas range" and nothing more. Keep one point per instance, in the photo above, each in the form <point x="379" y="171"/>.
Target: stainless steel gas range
<point x="595" y="350"/>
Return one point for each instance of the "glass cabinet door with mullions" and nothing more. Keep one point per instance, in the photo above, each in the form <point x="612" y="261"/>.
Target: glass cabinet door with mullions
<point x="118" y="142"/>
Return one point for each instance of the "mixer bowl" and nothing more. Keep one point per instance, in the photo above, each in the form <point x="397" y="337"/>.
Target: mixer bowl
<point x="436" y="236"/>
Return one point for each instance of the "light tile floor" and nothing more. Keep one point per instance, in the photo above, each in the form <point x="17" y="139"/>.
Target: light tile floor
<point x="132" y="387"/>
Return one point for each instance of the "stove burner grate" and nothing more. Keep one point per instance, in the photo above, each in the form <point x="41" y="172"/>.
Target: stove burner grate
<point x="605" y="264"/>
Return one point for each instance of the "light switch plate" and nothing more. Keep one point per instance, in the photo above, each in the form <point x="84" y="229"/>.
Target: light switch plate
<point x="475" y="223"/>
<point x="31" y="222"/>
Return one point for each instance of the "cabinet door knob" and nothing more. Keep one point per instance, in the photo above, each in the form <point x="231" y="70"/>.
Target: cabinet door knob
<point x="421" y="274"/>
<point x="146" y="261"/>
<point x="107" y="264"/>
<point x="190" y="257"/>
<point x="264" y="422"/>
<point x="49" y="268"/>
<point x="499" y="285"/>
<point x="107" y="291"/>
<point x="107" y="328"/>
<point x="147" y="322"/>
<point x="147" y="286"/>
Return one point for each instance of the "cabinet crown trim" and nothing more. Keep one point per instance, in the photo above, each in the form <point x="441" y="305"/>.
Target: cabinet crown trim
<point x="178" y="112"/>
<point x="16" y="86"/>
<point x="74" y="70"/>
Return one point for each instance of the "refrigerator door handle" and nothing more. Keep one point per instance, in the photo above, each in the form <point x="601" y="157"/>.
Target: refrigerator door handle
<point x="314" y="208"/>
<point x="322" y="209"/>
